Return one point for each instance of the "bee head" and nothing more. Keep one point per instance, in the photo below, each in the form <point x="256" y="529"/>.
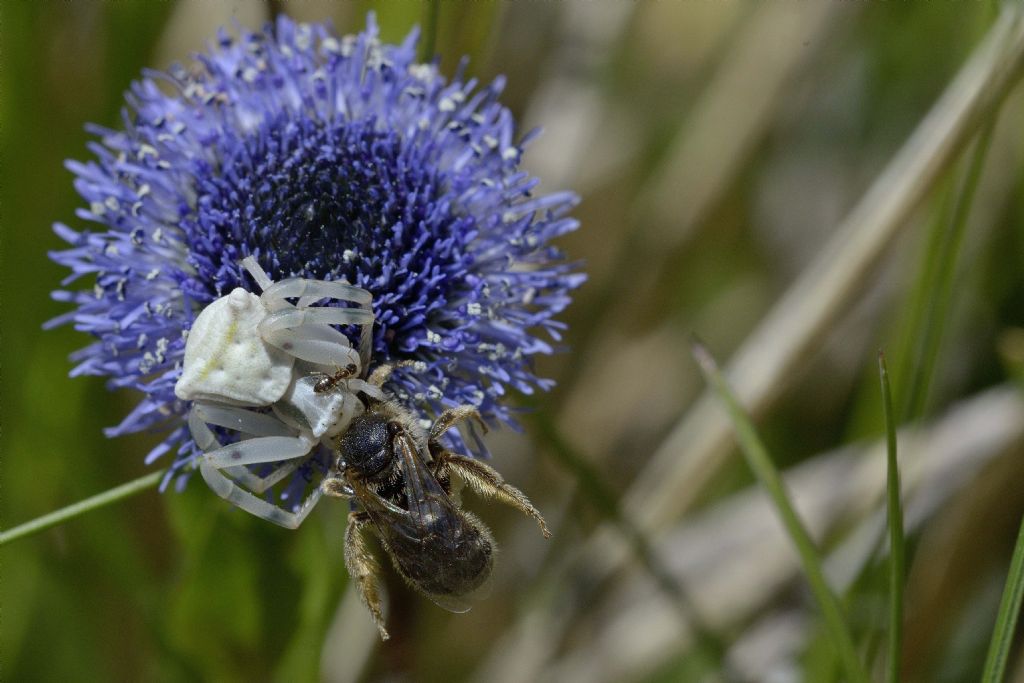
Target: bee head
<point x="366" y="444"/>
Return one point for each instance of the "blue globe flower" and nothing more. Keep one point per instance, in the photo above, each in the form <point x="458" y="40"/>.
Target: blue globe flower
<point x="326" y="158"/>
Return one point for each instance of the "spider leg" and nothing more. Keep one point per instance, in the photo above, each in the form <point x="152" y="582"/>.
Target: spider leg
<point x="259" y="450"/>
<point x="314" y="315"/>
<point x="309" y="292"/>
<point x="318" y="344"/>
<point x="486" y="481"/>
<point x="368" y="388"/>
<point x="257" y="484"/>
<point x="263" y="280"/>
<point x="240" y="419"/>
<point x="363" y="569"/>
<point x="219" y="460"/>
<point x="234" y="494"/>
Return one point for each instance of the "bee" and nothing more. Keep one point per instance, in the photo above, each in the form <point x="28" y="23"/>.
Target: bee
<point x="400" y="476"/>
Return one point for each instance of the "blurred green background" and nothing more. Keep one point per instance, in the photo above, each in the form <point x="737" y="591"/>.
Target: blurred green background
<point x="717" y="146"/>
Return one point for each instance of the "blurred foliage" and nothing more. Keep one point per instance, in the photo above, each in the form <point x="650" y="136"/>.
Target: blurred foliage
<point x="180" y="587"/>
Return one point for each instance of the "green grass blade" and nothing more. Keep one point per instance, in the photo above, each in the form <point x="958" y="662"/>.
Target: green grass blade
<point x="1006" y="622"/>
<point x="764" y="469"/>
<point x="108" y="497"/>
<point x="897" y="549"/>
<point x="934" y="291"/>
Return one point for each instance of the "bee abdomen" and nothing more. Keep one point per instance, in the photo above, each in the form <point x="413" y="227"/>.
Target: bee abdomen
<point x="451" y="566"/>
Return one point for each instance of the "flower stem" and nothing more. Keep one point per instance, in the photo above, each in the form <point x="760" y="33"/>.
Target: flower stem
<point x="109" y="497"/>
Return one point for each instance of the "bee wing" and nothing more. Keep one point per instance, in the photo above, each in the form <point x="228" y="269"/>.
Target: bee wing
<point x="383" y="513"/>
<point x="458" y="604"/>
<point x="429" y="503"/>
<point x="398" y="529"/>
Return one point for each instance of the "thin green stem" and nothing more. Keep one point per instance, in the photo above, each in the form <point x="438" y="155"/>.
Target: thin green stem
<point x="109" y="497"/>
<point x="1006" y="622"/>
<point x="431" y="14"/>
<point x="897" y="552"/>
<point x="936" y="284"/>
<point x="914" y="311"/>
<point x="764" y="469"/>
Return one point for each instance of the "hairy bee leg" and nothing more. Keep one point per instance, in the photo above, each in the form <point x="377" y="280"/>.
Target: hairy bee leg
<point x="336" y="487"/>
<point x="381" y="373"/>
<point x="363" y="569"/>
<point x="486" y="481"/>
<point x="453" y="416"/>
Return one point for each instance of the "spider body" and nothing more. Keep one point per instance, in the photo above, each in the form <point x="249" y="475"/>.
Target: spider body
<point x="246" y="353"/>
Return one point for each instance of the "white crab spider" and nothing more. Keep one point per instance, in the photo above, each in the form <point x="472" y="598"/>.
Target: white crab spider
<point x="246" y="351"/>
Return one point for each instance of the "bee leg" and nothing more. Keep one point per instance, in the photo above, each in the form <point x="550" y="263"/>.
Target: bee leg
<point x="382" y="373"/>
<point x="336" y="487"/>
<point x="453" y="416"/>
<point x="363" y="569"/>
<point x="486" y="481"/>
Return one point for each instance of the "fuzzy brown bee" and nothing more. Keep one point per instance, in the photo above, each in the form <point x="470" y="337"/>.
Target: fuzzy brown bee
<point x="400" y="475"/>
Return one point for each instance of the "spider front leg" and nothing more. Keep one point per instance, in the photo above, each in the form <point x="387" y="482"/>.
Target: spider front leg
<point x="309" y="292"/>
<point x="319" y="344"/>
<point x="486" y="481"/>
<point x="364" y="569"/>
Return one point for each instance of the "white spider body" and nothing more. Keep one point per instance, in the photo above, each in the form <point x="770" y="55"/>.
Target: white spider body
<point x="246" y="351"/>
<point x="226" y="360"/>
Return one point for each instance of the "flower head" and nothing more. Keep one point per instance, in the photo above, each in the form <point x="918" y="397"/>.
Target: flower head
<point x="326" y="158"/>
